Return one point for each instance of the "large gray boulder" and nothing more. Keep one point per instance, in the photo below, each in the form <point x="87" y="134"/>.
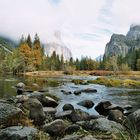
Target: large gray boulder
<point x="116" y="115"/>
<point x="101" y="124"/>
<point x="104" y="124"/>
<point x="134" y="120"/>
<point x="9" y="115"/>
<point x="36" y="112"/>
<point x="55" y="128"/>
<point x="18" y="133"/>
<point x="45" y="100"/>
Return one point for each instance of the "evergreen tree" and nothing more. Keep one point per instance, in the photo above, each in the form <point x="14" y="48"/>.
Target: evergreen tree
<point x="29" y="41"/>
<point x="37" y="52"/>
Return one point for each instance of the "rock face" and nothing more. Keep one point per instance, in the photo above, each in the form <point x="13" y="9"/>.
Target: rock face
<point x="121" y="44"/>
<point x="134" y="32"/>
<point x="9" y="114"/>
<point x="18" y="133"/>
<point x="58" y="46"/>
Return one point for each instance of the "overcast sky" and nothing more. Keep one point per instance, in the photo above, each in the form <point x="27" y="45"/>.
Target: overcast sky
<point x="86" y="25"/>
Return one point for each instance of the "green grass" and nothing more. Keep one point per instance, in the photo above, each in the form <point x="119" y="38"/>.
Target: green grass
<point x="112" y="82"/>
<point x="78" y="82"/>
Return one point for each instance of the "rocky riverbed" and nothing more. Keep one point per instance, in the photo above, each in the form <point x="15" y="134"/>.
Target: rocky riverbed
<point x="38" y="115"/>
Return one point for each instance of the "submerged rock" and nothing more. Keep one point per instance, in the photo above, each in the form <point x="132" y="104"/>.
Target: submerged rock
<point x="18" y="133"/>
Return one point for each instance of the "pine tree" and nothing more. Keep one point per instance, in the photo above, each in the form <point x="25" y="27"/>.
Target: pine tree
<point x="29" y="41"/>
<point x="37" y="52"/>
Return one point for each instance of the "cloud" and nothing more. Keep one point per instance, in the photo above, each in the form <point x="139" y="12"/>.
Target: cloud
<point x="86" y="25"/>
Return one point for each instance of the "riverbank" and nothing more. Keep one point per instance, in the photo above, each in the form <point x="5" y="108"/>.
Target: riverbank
<point x="33" y="116"/>
<point x="129" y="74"/>
<point x="73" y="111"/>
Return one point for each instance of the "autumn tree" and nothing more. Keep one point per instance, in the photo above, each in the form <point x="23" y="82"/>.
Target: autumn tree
<point x="26" y="53"/>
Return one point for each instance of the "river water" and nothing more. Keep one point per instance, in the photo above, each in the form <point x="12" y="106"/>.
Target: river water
<point x="119" y="96"/>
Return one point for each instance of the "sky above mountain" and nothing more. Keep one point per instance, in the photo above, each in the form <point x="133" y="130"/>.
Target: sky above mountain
<point x="85" y="25"/>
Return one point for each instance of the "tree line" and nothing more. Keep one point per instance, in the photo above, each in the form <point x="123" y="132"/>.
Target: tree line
<point x="29" y="56"/>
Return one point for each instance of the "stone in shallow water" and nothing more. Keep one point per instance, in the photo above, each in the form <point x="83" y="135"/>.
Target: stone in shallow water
<point x="68" y="107"/>
<point x="86" y="103"/>
<point x="102" y="107"/>
<point x="18" y="133"/>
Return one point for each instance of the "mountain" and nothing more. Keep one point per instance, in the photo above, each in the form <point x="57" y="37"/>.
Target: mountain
<point x="123" y="44"/>
<point x="58" y="46"/>
<point x="6" y="44"/>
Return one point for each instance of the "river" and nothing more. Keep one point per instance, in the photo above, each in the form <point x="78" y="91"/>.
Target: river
<point x="119" y="96"/>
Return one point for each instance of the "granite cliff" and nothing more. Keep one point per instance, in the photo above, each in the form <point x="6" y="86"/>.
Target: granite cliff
<point x="123" y="44"/>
